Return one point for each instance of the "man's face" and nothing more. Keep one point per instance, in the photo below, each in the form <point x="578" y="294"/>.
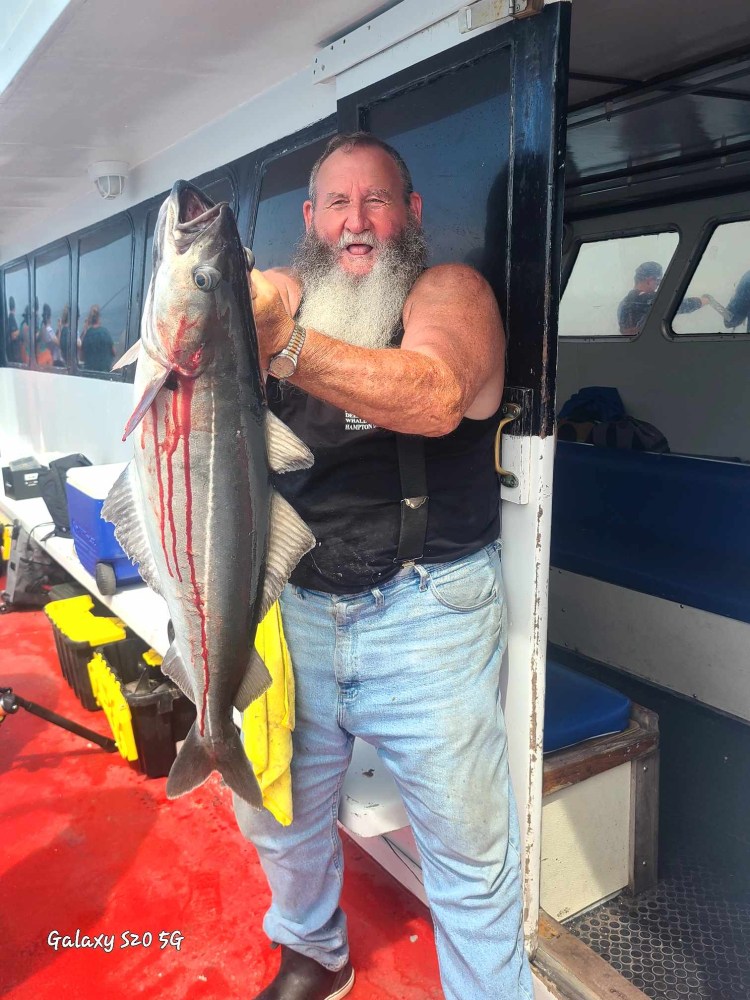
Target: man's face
<point x="647" y="285"/>
<point x="359" y="194"/>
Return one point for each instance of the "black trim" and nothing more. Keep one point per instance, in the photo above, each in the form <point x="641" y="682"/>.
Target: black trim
<point x="529" y="294"/>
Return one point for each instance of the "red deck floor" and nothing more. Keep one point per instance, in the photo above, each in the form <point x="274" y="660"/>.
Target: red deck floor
<point x="89" y="844"/>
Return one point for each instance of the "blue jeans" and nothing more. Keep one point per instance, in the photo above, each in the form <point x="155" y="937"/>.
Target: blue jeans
<point x="412" y="667"/>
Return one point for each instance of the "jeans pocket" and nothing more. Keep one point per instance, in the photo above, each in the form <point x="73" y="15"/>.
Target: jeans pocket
<point x="468" y="585"/>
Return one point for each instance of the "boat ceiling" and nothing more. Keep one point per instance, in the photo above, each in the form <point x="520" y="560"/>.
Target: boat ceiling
<point x="109" y="80"/>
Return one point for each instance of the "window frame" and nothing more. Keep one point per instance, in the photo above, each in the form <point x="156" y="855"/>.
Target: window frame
<point x="33" y="262"/>
<point x="707" y="232"/>
<point x="11" y="264"/>
<point x="77" y="369"/>
<point x="262" y="159"/>
<point x="572" y="257"/>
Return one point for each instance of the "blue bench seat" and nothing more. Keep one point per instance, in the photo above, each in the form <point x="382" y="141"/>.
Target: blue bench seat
<point x="578" y="708"/>
<point x="672" y="526"/>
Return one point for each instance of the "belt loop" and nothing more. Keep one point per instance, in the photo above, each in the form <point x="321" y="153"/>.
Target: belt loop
<point x="424" y="576"/>
<point x="377" y="593"/>
<point x="299" y="592"/>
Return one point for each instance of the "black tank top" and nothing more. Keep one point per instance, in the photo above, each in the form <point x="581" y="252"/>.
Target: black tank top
<point x="351" y="497"/>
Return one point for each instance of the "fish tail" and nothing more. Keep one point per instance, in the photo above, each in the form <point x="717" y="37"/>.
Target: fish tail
<point x="197" y="759"/>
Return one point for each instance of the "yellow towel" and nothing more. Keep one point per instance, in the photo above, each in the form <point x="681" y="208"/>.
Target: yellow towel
<point x="268" y="722"/>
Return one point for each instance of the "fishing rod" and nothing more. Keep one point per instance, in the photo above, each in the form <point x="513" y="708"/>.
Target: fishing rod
<point x="11" y="702"/>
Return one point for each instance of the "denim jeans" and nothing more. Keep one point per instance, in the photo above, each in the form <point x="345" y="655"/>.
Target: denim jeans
<point x="412" y="667"/>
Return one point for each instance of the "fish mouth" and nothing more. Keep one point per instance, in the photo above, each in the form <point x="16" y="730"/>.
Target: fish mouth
<point x="192" y="213"/>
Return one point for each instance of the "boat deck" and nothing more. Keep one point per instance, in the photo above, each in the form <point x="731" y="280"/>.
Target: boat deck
<point x="90" y="844"/>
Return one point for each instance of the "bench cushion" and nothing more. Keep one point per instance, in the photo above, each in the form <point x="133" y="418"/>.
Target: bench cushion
<point x="672" y="526"/>
<point x="578" y="708"/>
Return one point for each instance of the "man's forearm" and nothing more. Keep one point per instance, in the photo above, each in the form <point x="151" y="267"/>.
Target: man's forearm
<point x="401" y="390"/>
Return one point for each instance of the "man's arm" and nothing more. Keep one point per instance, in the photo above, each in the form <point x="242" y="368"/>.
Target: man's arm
<point x="450" y="365"/>
<point x="739" y="306"/>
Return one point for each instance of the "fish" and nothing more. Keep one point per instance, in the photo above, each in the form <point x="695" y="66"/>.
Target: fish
<point x="196" y="508"/>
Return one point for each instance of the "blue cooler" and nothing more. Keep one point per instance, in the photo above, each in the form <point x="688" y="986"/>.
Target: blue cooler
<point x="94" y="539"/>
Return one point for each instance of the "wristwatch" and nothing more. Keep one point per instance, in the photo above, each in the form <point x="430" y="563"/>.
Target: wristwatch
<point x="284" y="364"/>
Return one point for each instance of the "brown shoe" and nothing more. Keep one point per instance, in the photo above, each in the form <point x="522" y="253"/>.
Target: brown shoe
<point x="302" y="978"/>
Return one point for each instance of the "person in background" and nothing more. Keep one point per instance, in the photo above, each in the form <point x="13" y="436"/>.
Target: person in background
<point x="12" y="334"/>
<point x="63" y="334"/>
<point x="47" y="342"/>
<point x="738" y="309"/>
<point x="95" y="344"/>
<point x="24" y="337"/>
<point x="635" y="307"/>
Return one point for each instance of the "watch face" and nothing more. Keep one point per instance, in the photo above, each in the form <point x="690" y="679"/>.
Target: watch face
<point x="282" y="366"/>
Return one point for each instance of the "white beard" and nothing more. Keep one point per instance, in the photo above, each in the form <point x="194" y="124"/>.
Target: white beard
<point x="363" y="310"/>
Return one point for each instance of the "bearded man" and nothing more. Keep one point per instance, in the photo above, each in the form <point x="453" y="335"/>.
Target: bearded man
<point x="392" y="373"/>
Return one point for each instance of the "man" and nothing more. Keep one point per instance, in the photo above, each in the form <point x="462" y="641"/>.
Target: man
<point x="12" y="333"/>
<point x="402" y="652"/>
<point x="635" y="307"/>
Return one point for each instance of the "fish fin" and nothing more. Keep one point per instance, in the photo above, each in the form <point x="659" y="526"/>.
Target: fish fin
<point x="173" y="667"/>
<point x="285" y="450"/>
<point x="158" y="376"/>
<point x="123" y="508"/>
<point x="256" y="680"/>
<point x="289" y="540"/>
<point x="191" y="767"/>
<point x="129" y="357"/>
<point x="197" y="759"/>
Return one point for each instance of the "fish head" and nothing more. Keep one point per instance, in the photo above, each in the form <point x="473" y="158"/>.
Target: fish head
<point x="196" y="254"/>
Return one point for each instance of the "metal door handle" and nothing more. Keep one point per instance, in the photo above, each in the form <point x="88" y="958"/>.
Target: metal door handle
<point x="510" y="412"/>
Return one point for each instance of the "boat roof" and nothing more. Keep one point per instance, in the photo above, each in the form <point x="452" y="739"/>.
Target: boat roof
<point x="82" y="82"/>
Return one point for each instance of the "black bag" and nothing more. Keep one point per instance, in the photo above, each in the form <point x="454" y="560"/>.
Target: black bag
<point x="31" y="572"/>
<point x="629" y="432"/>
<point x="52" y="489"/>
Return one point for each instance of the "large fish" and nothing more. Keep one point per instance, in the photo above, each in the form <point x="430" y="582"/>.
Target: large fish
<point x="196" y="508"/>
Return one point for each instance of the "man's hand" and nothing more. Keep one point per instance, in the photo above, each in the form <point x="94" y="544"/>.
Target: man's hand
<point x="272" y="318"/>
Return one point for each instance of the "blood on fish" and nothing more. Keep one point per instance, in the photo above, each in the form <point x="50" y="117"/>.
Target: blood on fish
<point x="186" y="396"/>
<point x="171" y="441"/>
<point x="154" y="426"/>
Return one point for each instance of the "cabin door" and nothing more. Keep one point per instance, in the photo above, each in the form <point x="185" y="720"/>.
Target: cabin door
<point x="481" y="126"/>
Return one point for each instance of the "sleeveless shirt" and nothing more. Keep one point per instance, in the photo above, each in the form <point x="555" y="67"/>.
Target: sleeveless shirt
<point x="351" y="497"/>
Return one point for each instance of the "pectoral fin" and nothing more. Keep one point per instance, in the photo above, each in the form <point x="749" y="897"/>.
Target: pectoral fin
<point x="129" y="357"/>
<point x="157" y="376"/>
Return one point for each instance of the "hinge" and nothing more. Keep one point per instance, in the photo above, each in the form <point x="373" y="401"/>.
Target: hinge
<point x="488" y="11"/>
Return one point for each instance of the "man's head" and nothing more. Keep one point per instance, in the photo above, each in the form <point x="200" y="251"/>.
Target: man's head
<point x="648" y="276"/>
<point x="363" y="248"/>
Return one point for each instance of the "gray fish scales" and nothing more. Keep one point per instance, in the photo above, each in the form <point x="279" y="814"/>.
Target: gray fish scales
<point x="196" y="508"/>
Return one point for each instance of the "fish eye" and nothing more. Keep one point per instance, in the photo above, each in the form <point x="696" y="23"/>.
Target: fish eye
<point x="206" y="278"/>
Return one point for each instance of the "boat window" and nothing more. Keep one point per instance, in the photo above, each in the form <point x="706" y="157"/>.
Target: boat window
<point x="104" y="295"/>
<point x="52" y="293"/>
<point x="613" y="285"/>
<point x="278" y="224"/>
<point x="221" y="189"/>
<point x="457" y="126"/>
<point x="17" y="315"/>
<point x="721" y="283"/>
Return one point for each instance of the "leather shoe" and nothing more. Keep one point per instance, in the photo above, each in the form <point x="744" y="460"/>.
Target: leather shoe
<point x="302" y="978"/>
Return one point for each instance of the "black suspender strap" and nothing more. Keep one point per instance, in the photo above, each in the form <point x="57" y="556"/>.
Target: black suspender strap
<point x="415" y="503"/>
